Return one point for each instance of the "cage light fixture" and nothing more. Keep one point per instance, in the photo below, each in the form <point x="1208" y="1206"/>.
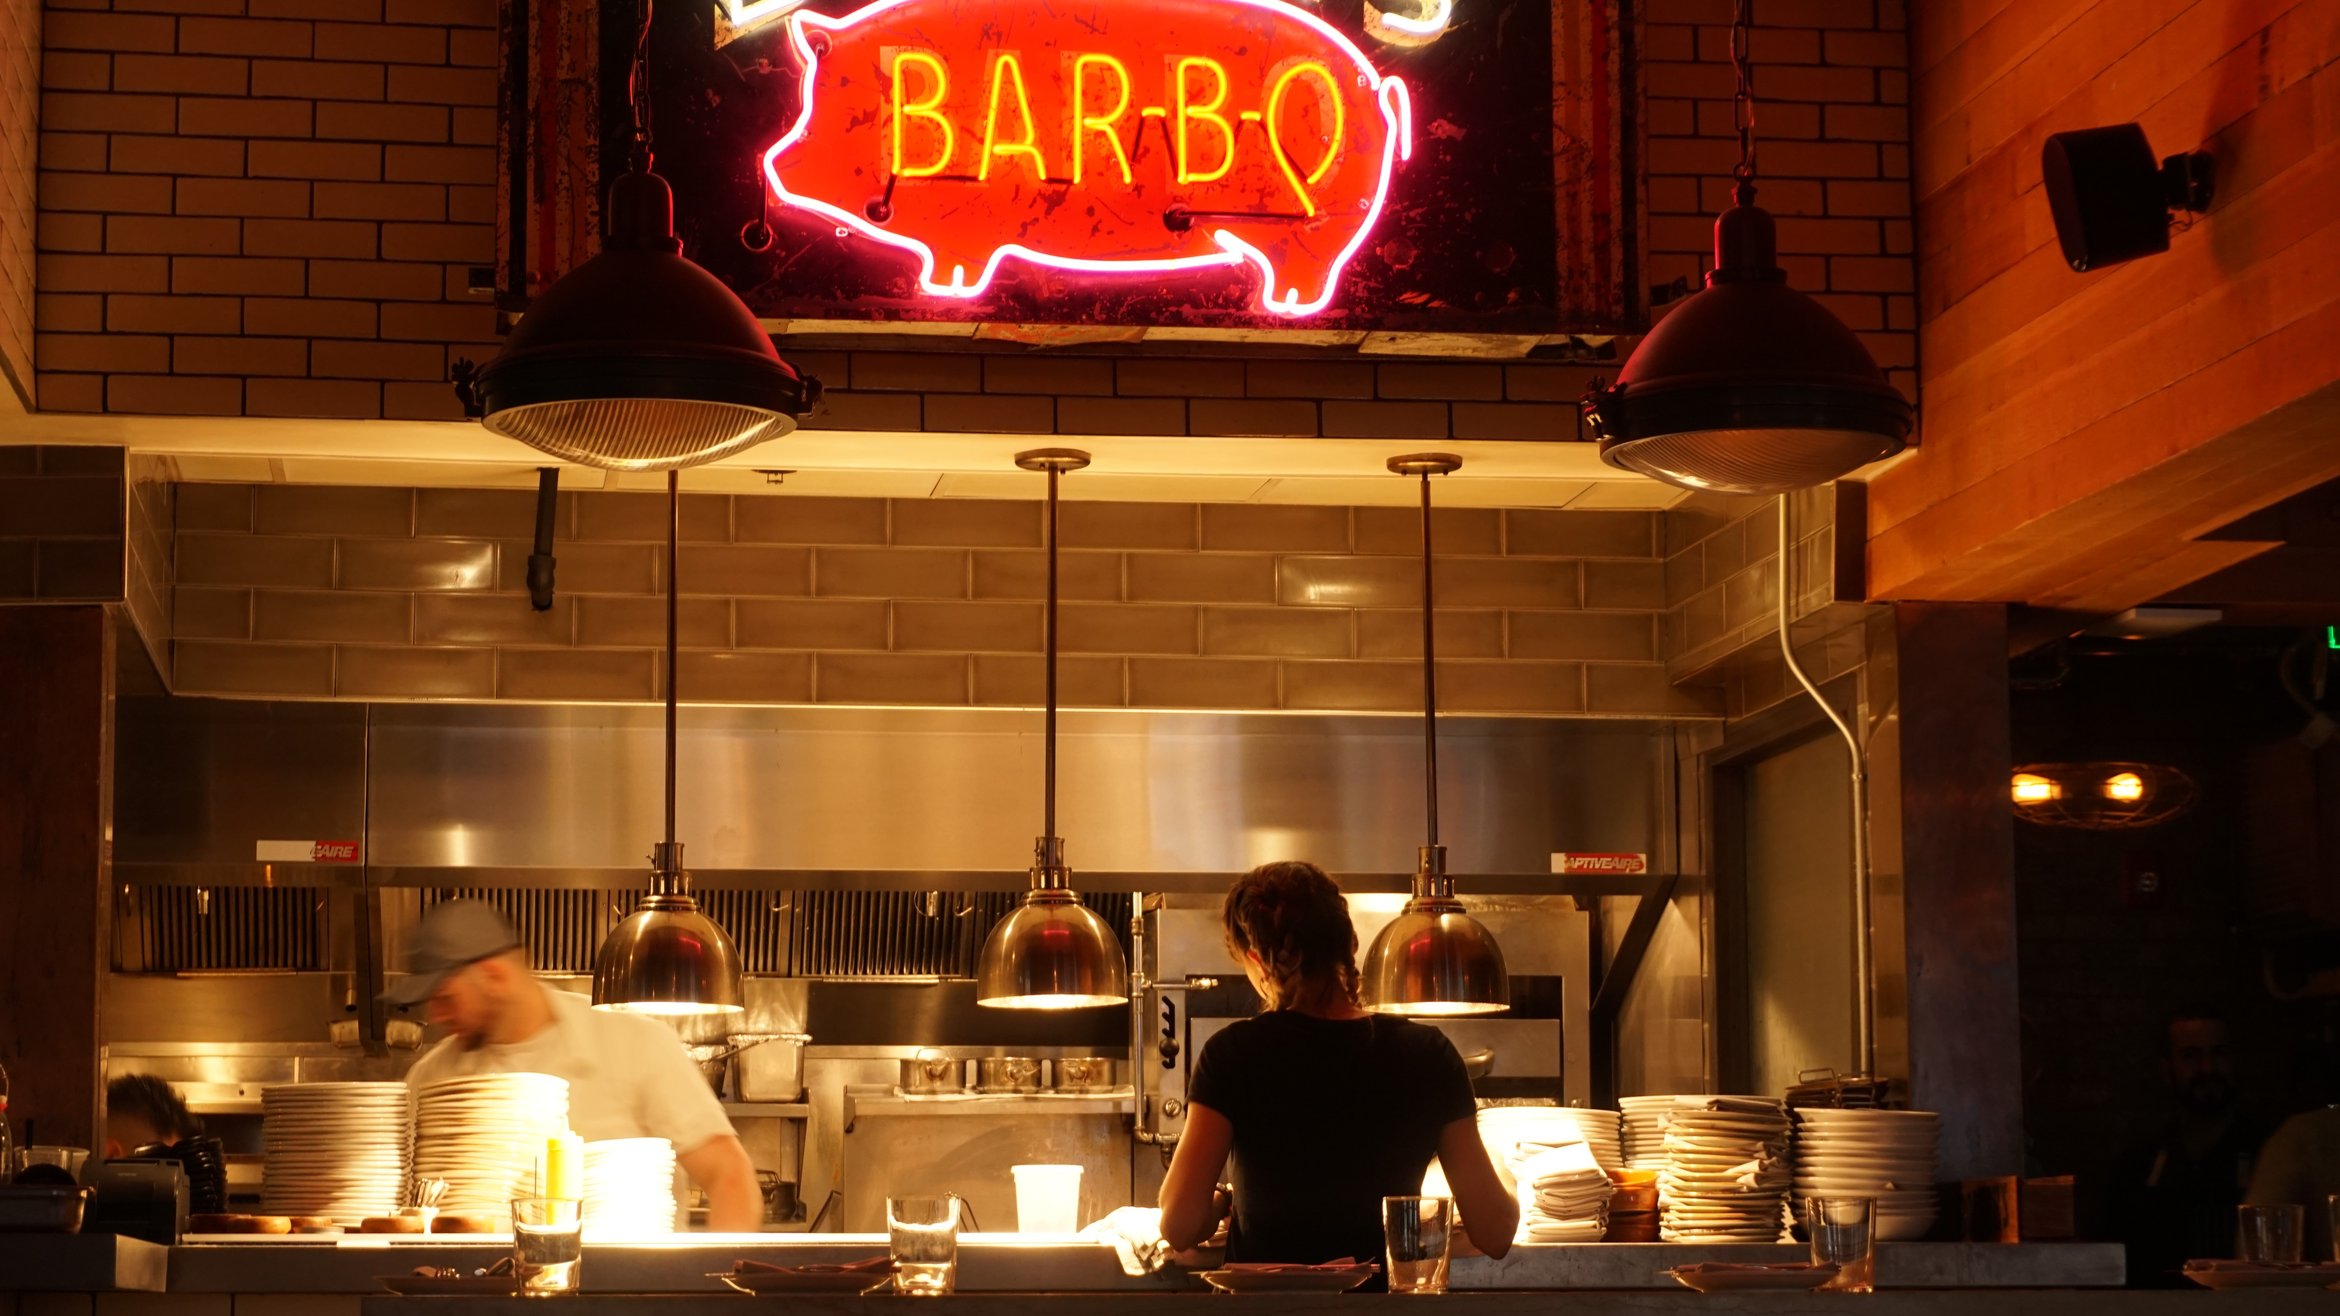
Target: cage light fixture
<point x="1433" y="959"/>
<point x="666" y="957"/>
<point x="1748" y="386"/>
<point x="638" y="359"/>
<point x="2101" y="795"/>
<point x="1051" y="952"/>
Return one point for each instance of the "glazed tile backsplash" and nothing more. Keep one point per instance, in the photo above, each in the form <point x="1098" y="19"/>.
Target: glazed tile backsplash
<point x="364" y="593"/>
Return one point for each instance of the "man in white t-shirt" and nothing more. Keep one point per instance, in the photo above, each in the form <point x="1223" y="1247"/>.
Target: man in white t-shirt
<point x="629" y="1076"/>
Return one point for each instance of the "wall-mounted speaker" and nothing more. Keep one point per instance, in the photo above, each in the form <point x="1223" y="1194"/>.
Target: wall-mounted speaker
<point x="2111" y="199"/>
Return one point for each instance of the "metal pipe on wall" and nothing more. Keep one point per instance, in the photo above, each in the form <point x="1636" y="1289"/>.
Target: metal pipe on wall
<point x="1864" y="971"/>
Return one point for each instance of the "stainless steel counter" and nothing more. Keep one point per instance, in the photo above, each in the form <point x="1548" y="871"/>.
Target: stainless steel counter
<point x="1006" y="1263"/>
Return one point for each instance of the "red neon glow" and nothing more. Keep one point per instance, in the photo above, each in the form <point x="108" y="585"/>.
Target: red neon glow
<point x="1114" y="137"/>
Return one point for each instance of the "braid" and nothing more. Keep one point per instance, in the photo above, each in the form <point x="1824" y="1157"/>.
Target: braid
<point x="1296" y="921"/>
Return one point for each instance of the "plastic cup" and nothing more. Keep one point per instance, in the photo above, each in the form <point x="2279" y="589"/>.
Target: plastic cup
<point x="1048" y="1199"/>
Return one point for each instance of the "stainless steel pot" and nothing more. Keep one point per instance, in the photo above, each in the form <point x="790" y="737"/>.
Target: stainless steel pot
<point x="931" y="1072"/>
<point x="1087" y="1074"/>
<point x="1007" y="1074"/>
<point x="769" y="1066"/>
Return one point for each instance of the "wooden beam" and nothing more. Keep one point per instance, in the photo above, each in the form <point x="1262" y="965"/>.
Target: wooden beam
<point x="56" y="810"/>
<point x="1958" y="882"/>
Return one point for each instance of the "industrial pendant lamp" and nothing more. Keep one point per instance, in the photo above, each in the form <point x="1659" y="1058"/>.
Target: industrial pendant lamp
<point x="1052" y="952"/>
<point x="666" y="957"/>
<point x="1748" y="386"/>
<point x="639" y="360"/>
<point x="1433" y="959"/>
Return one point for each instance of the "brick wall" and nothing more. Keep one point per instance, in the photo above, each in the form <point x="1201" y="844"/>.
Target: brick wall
<point x="20" y="78"/>
<point x="399" y="593"/>
<point x="264" y="207"/>
<point x="1832" y="130"/>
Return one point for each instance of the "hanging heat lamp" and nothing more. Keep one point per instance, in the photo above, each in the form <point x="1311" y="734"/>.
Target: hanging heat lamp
<point x="666" y="957"/>
<point x="1433" y="958"/>
<point x="1052" y="952"/>
<point x="638" y="359"/>
<point x="1748" y="386"/>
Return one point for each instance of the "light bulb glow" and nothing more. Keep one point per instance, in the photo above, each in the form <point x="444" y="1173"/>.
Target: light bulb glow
<point x="2031" y="788"/>
<point x="2126" y="787"/>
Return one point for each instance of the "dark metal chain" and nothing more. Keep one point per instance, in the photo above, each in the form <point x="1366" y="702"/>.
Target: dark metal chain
<point x="1743" y="93"/>
<point x="638" y="93"/>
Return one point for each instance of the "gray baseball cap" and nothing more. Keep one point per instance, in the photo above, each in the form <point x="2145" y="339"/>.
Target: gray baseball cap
<point x="453" y="934"/>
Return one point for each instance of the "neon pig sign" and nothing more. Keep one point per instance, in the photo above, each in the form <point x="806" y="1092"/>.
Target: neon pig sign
<point x="1115" y="137"/>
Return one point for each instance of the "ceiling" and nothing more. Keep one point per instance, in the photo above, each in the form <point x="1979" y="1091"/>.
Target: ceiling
<point x="862" y="463"/>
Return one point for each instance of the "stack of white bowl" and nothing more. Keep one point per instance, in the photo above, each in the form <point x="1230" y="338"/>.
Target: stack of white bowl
<point x="1885" y="1154"/>
<point x="1727" y="1170"/>
<point x="629" y="1188"/>
<point x="1643" y="1139"/>
<point x="486" y="1135"/>
<point x="333" y="1149"/>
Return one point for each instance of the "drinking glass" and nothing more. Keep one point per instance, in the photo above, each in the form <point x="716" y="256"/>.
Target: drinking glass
<point x="1844" y="1235"/>
<point x="2271" y="1234"/>
<point x="1420" y="1232"/>
<point x="922" y="1236"/>
<point x="547" y="1244"/>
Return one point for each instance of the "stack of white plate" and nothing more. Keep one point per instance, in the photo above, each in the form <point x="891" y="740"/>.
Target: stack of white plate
<point x="485" y="1136"/>
<point x="1643" y="1138"/>
<point x="1601" y="1133"/>
<point x="629" y="1188"/>
<point x="1885" y="1154"/>
<point x="333" y="1149"/>
<point x="1727" y="1170"/>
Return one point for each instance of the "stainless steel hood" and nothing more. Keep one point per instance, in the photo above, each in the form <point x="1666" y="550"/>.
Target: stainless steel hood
<point x="804" y="798"/>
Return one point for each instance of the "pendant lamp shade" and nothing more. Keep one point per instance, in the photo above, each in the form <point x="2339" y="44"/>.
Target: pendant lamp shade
<point x="667" y="958"/>
<point x="638" y="359"/>
<point x="1749" y="386"/>
<point x="1053" y="952"/>
<point x="1433" y="958"/>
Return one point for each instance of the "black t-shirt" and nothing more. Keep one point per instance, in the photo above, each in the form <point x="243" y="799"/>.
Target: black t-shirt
<point x="1330" y="1116"/>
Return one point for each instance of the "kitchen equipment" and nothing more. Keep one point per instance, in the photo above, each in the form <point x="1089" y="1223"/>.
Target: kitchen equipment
<point x="1007" y="1074"/>
<point x="1087" y="1074"/>
<point x="931" y="1073"/>
<point x="1478" y="1062"/>
<point x="138" y="1199"/>
<point x="42" y="1210"/>
<point x="770" y="1068"/>
<point x="713" y="1060"/>
<point x="205" y="1159"/>
<point x="779" y="1197"/>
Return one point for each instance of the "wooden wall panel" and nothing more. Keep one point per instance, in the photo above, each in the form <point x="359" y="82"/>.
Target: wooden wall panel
<point x="2081" y="431"/>
<point x="56" y="806"/>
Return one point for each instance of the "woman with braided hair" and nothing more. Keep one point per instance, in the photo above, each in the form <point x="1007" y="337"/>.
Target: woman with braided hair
<point x="1325" y="1107"/>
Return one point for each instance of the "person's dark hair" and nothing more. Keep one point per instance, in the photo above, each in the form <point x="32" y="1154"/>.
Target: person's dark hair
<point x="151" y="1101"/>
<point x="1296" y="921"/>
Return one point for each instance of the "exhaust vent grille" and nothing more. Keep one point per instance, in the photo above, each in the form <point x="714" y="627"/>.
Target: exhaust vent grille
<point x="563" y="928"/>
<point x="228" y="929"/>
<point x="808" y="934"/>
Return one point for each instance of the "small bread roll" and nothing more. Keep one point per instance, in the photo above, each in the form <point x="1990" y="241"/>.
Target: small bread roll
<point x="391" y="1224"/>
<point x="463" y="1224"/>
